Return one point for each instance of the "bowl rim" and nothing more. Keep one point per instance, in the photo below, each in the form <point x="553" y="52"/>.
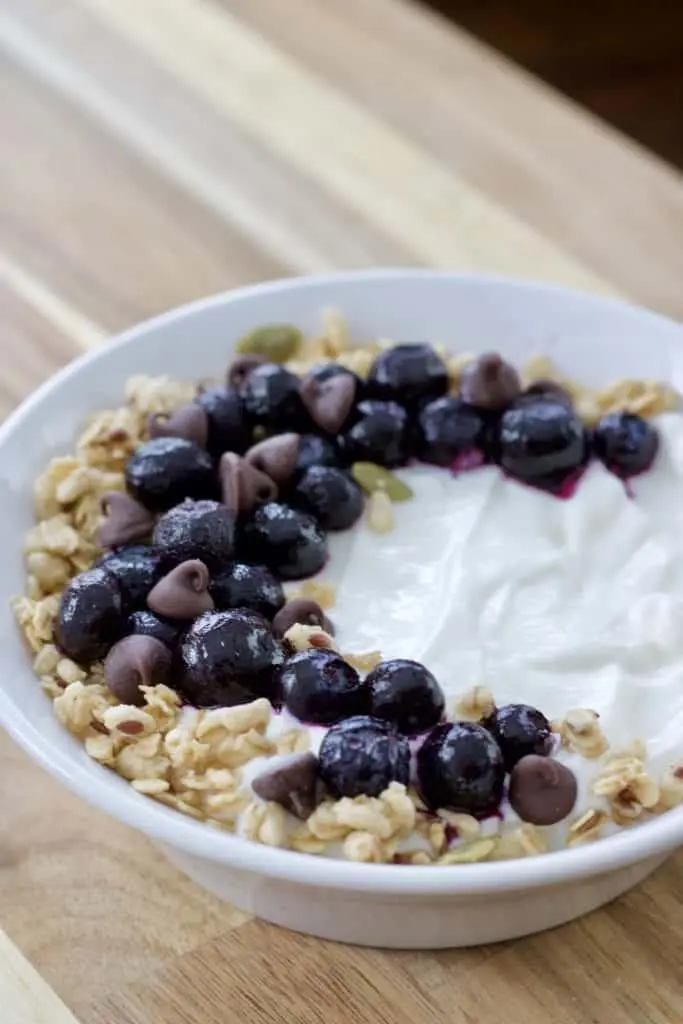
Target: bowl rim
<point x="167" y="826"/>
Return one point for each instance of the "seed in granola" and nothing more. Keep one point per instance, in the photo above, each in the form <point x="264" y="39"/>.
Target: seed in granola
<point x="302" y="610"/>
<point x="189" y="421"/>
<point x="406" y="694"/>
<point x="271" y="398"/>
<point x="489" y="382"/>
<point x="289" y="542"/>
<point x="229" y="428"/>
<point x="137" y="661"/>
<point x="379" y="434"/>
<point x="276" y="456"/>
<point x="90" y="618"/>
<point x="372" y="477"/>
<point x="319" y="686"/>
<point x="228" y="658"/>
<point x="136" y="569"/>
<point x="183" y="593"/>
<point x="241" y="367"/>
<point x="460" y="767"/>
<point x="126" y="520"/>
<point x="329" y="400"/>
<point x="626" y="443"/>
<point x="363" y="755"/>
<point x="519" y="730"/>
<point x="277" y="342"/>
<point x="409" y="374"/>
<point x="196" y="529"/>
<point x="247" y="586"/>
<point x="542" y="791"/>
<point x="294" y="784"/>
<point x="331" y="496"/>
<point x="453" y="434"/>
<point x="164" y="471"/>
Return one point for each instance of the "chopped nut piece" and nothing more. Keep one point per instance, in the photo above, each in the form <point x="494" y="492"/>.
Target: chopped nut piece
<point x="474" y="705"/>
<point x="580" y="731"/>
<point x="436" y="834"/>
<point x="628" y="788"/>
<point x="415" y="857"/>
<point x="302" y="638"/>
<point x="470" y="853"/>
<point x="587" y="828"/>
<point x="364" y="847"/>
<point x="324" y="594"/>
<point x="363" y="662"/>
<point x="466" y="827"/>
<point x="670" y="787"/>
<point x="379" y="513"/>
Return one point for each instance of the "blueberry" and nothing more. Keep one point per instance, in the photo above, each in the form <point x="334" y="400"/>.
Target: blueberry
<point x="228" y="658"/>
<point x="164" y="471"/>
<point x="408" y="374"/>
<point x="90" y="616"/>
<point x="315" y="451"/>
<point x="326" y="371"/>
<point x="331" y="496"/>
<point x="146" y="623"/>
<point x="460" y="767"/>
<point x="362" y="756"/>
<point x="379" y="435"/>
<point x="541" y="441"/>
<point x="288" y="541"/>
<point x="136" y="569"/>
<point x="270" y="395"/>
<point x="196" y="529"/>
<point x="248" y="586"/>
<point x="228" y="427"/>
<point x="319" y="687"/>
<point x="406" y="694"/>
<point x="626" y="443"/>
<point x="519" y="730"/>
<point x="448" y="431"/>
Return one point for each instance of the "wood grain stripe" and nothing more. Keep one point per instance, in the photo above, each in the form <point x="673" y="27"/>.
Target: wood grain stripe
<point x="367" y="165"/>
<point x="26" y="998"/>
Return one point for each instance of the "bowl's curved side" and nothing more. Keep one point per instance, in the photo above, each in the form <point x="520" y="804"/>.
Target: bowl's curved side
<point x="591" y="337"/>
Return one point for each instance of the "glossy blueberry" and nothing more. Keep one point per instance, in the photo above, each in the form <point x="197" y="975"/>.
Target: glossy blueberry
<point x="229" y="430"/>
<point x="409" y="374"/>
<point x="271" y="399"/>
<point x="331" y="496"/>
<point x="248" y="586"/>
<point x="362" y="756"/>
<point x="519" y="730"/>
<point x="164" y="471"/>
<point x="146" y="623"/>
<point x="136" y="569"/>
<point x="379" y="435"/>
<point x="541" y="441"/>
<point x="448" y="432"/>
<point x="626" y="443"/>
<point x="228" y="658"/>
<point x="315" y="450"/>
<point x="287" y="541"/>
<point x="196" y="529"/>
<point x="460" y="767"/>
<point x="319" y="687"/>
<point x="406" y="694"/>
<point x="90" y="617"/>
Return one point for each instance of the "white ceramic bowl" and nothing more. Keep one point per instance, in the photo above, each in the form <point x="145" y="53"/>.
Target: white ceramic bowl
<point x="419" y="907"/>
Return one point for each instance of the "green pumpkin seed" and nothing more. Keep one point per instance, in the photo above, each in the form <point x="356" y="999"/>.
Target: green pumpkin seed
<point x="277" y="342"/>
<point x="376" y="478"/>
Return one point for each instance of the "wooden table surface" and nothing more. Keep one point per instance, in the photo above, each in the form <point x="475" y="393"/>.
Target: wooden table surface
<point x="158" y="150"/>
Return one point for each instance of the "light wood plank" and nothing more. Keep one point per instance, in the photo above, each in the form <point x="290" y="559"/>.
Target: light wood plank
<point x="26" y="998"/>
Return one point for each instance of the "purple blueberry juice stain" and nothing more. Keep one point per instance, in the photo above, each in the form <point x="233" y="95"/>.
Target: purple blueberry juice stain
<point x="467" y="461"/>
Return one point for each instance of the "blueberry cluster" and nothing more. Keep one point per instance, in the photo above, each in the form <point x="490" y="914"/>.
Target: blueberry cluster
<point x="235" y="493"/>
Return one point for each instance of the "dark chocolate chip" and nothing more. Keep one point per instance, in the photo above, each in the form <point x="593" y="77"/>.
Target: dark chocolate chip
<point x="183" y="593"/>
<point x="330" y="401"/>
<point x="276" y="457"/>
<point x="242" y="366"/>
<point x="126" y="520"/>
<point x="189" y="422"/>
<point x="137" y="661"/>
<point x="489" y="382"/>
<point x="304" y="611"/>
<point x="294" y="785"/>
<point x="542" y="790"/>
<point x="243" y="485"/>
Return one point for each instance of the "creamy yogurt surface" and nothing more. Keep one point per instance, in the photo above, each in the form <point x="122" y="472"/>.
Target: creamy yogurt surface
<point x="558" y="603"/>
